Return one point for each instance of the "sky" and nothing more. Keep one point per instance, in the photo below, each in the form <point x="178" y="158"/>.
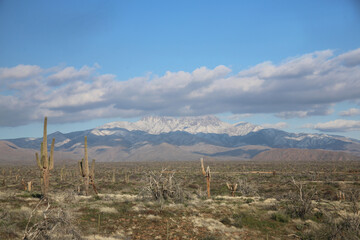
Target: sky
<point x="291" y="65"/>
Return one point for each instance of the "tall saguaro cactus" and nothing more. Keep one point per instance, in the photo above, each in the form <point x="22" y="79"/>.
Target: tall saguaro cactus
<point x="88" y="176"/>
<point x="84" y="168"/>
<point x="207" y="175"/>
<point x="44" y="162"/>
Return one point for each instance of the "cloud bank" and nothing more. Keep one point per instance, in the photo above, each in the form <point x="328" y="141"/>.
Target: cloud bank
<point x="338" y="125"/>
<point x="302" y="86"/>
<point x="279" y="125"/>
<point x="351" y="112"/>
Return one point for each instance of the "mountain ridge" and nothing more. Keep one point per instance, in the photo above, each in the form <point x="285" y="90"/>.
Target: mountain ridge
<point x="154" y="138"/>
<point x="157" y="125"/>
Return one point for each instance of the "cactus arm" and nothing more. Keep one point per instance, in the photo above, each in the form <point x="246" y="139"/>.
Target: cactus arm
<point x="41" y="148"/>
<point x="208" y="174"/>
<point x="80" y="168"/>
<point x="38" y="161"/>
<point x="208" y="177"/>
<point x="202" y="166"/>
<point x="92" y="169"/>
<point x="86" y="161"/>
<point x="44" y="147"/>
<point x="43" y="161"/>
<point x="51" y="158"/>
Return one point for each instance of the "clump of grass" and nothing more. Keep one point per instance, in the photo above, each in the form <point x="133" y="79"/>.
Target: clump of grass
<point x="226" y="221"/>
<point x="89" y="213"/>
<point x="95" y="198"/>
<point x="210" y="237"/>
<point x="253" y="222"/>
<point x="238" y="218"/>
<point x="124" y="207"/>
<point x="280" y="217"/>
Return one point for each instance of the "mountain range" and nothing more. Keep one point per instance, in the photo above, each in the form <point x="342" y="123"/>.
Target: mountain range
<point x="172" y="139"/>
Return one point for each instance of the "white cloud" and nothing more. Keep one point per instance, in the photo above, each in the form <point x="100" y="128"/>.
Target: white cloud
<point x="350" y="112"/>
<point x="293" y="114"/>
<point x="339" y="125"/>
<point x="351" y="58"/>
<point x="238" y="117"/>
<point x="299" y="87"/>
<point x="279" y="125"/>
<point x="317" y="110"/>
<point x="70" y="73"/>
<point x="14" y="111"/>
<point x="19" y="72"/>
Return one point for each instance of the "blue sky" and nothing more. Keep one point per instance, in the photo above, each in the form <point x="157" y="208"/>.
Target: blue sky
<point x="293" y="65"/>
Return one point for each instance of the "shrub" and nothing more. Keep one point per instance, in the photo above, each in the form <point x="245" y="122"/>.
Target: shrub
<point x="300" y="204"/>
<point x="340" y="227"/>
<point x="353" y="197"/>
<point x="245" y="188"/>
<point x="56" y="224"/>
<point x="163" y="186"/>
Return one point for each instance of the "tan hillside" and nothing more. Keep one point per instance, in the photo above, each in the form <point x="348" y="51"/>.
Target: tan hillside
<point x="292" y="154"/>
<point x="12" y="154"/>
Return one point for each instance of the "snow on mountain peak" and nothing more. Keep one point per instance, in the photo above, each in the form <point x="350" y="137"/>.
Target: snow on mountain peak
<point x="157" y="125"/>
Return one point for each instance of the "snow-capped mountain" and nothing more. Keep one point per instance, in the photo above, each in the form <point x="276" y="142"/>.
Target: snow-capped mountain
<point x="187" y="138"/>
<point x="193" y="125"/>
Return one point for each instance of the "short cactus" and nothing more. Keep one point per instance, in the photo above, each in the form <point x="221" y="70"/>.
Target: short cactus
<point x="232" y="188"/>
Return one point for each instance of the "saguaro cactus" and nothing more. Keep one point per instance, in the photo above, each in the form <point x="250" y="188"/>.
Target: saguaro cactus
<point x="126" y="177"/>
<point x="232" y="188"/>
<point x="88" y="176"/>
<point x="29" y="186"/>
<point x="84" y="168"/>
<point x="113" y="176"/>
<point x="45" y="163"/>
<point x="62" y="173"/>
<point x="207" y="175"/>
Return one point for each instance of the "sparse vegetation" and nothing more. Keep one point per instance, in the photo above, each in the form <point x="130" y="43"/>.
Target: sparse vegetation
<point x="168" y="200"/>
